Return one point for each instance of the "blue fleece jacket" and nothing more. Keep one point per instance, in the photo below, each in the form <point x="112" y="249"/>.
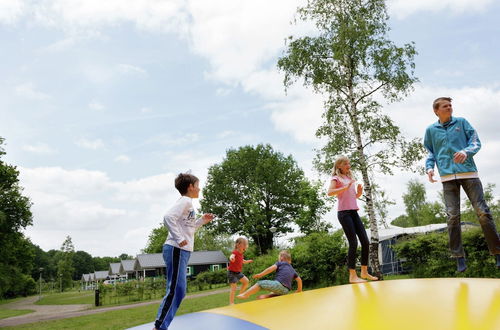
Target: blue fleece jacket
<point x="444" y="140"/>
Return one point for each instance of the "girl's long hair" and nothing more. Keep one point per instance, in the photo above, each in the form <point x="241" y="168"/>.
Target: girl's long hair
<point x="336" y="170"/>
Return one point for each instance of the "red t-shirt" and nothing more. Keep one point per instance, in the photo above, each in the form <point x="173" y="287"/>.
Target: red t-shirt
<point x="236" y="265"/>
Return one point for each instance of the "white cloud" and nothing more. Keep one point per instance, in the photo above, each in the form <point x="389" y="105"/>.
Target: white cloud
<point x="28" y="90"/>
<point x="169" y="140"/>
<point x="243" y="30"/>
<point x="223" y="91"/>
<point x="39" y="148"/>
<point x="97" y="212"/>
<point x="94" y="14"/>
<point x="225" y="134"/>
<point x="90" y="144"/>
<point x="11" y="11"/>
<point x="146" y="110"/>
<point x="122" y="159"/>
<point x="403" y="8"/>
<point x="94" y="105"/>
<point x="130" y="69"/>
<point x="299" y="115"/>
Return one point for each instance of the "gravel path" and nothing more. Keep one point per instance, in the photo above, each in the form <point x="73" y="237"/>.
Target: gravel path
<point x="53" y="312"/>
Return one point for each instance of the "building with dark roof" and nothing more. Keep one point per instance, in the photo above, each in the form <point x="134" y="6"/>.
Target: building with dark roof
<point x="152" y="265"/>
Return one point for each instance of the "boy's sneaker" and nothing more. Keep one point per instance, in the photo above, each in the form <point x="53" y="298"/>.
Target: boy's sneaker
<point x="498" y="260"/>
<point x="461" y="266"/>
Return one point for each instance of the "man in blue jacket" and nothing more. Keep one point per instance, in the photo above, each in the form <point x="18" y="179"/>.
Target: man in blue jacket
<point x="452" y="142"/>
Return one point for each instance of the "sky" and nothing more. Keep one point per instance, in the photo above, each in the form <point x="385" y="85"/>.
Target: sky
<point x="103" y="103"/>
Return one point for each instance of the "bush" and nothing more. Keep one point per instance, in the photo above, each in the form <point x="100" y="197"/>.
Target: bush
<point x="208" y="278"/>
<point x="320" y="259"/>
<point x="260" y="263"/>
<point x="429" y="256"/>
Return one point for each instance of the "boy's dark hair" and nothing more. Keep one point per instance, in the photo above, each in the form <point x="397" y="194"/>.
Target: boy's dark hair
<point x="182" y="182"/>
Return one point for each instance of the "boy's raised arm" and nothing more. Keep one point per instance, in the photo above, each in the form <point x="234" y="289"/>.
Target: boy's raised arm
<point x="266" y="271"/>
<point x="204" y="219"/>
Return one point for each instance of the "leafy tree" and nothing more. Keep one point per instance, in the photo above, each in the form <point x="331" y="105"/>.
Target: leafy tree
<point x="205" y="240"/>
<point x="352" y="62"/>
<point x="16" y="251"/>
<point x="102" y="263"/>
<point x="125" y="256"/>
<point x="83" y="264"/>
<point x="65" y="268"/>
<point x="419" y="211"/>
<point x="320" y="258"/>
<point x="255" y="189"/>
<point x="41" y="260"/>
<point x="156" y="240"/>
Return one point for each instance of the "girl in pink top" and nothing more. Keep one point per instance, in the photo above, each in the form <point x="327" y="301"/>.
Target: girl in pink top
<point x="343" y="186"/>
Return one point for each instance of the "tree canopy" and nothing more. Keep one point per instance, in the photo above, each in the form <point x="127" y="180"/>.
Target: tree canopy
<point x="351" y="61"/>
<point x="16" y="252"/>
<point x="257" y="190"/>
<point x="419" y="211"/>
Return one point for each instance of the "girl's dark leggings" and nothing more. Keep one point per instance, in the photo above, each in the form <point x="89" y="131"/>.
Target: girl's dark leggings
<point x="352" y="225"/>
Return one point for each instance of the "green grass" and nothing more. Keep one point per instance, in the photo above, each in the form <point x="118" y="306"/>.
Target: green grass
<point x="67" y="298"/>
<point x="122" y="319"/>
<point x="5" y="313"/>
<point x="397" y="277"/>
<point x="8" y="301"/>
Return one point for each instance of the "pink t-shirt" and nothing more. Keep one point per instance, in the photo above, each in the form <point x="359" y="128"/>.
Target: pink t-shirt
<point x="347" y="199"/>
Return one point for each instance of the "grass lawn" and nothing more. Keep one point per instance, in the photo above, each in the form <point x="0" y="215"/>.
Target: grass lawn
<point x="5" y="313"/>
<point x="122" y="319"/>
<point x="67" y="298"/>
<point x="8" y="301"/>
<point x="88" y="297"/>
<point x="397" y="277"/>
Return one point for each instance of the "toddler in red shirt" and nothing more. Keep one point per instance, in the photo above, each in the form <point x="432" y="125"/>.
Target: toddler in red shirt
<point x="236" y="261"/>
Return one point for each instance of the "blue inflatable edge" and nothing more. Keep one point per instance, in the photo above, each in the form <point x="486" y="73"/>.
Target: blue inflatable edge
<point x="204" y="320"/>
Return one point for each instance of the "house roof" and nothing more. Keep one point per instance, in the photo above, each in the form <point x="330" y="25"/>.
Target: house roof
<point x="86" y="277"/>
<point x="394" y="231"/>
<point x="150" y="260"/>
<point x="114" y="268"/>
<point x="101" y="275"/>
<point x="127" y="266"/>
<point x="207" y="257"/>
<point x="155" y="260"/>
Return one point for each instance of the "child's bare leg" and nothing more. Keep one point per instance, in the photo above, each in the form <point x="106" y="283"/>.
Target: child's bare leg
<point x="353" y="277"/>
<point x="269" y="295"/>
<point x="244" y="284"/>
<point x="365" y="275"/>
<point x="254" y="289"/>
<point x="231" y="293"/>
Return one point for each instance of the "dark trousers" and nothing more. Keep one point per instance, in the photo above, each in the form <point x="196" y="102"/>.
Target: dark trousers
<point x="352" y="225"/>
<point x="474" y="190"/>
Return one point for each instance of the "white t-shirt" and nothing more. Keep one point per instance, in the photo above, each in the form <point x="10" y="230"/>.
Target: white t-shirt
<point x="181" y="223"/>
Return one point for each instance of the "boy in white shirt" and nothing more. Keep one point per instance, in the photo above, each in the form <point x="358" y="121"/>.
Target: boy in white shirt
<point x="181" y="224"/>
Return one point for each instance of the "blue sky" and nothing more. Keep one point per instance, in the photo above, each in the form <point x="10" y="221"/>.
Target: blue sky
<point x="103" y="103"/>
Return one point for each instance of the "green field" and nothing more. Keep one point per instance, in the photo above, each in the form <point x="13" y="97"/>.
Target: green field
<point x="5" y="313"/>
<point x="122" y="319"/>
<point x="67" y="298"/>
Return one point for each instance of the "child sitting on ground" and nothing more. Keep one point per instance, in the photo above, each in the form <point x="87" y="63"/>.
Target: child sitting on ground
<point x="236" y="261"/>
<point x="282" y="283"/>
